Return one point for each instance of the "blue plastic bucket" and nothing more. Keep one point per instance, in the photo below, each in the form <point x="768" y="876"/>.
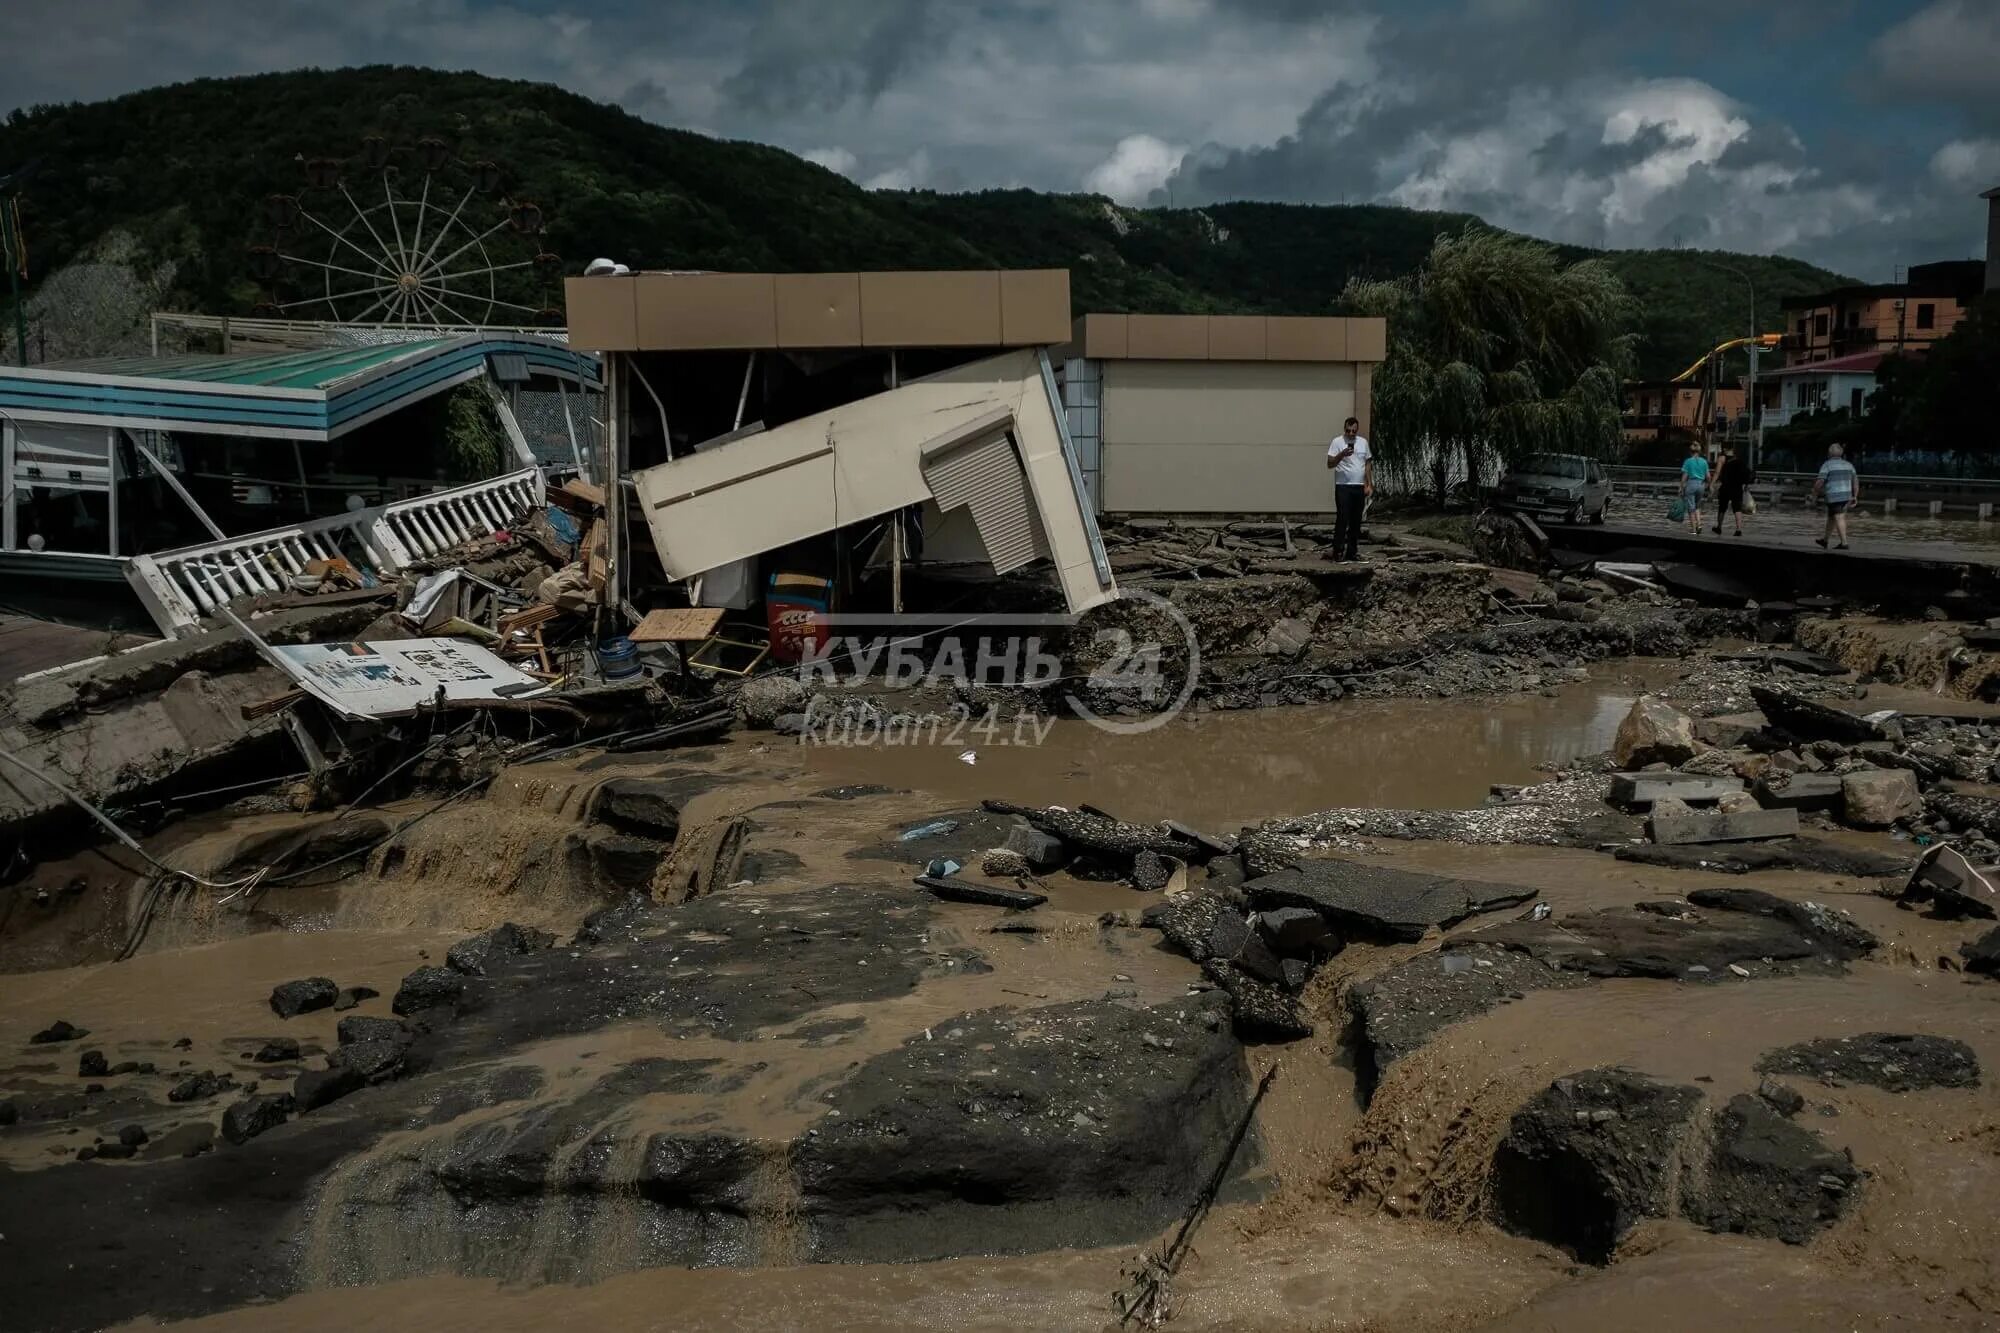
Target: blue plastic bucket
<point x="617" y="658"/>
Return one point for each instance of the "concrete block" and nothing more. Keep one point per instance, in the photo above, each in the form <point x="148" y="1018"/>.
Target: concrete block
<point x="1802" y="791"/>
<point x="1643" y="789"/>
<point x="1677" y="830"/>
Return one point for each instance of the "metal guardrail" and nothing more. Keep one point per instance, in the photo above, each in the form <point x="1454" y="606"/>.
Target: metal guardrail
<point x="181" y="586"/>
<point x="1975" y="495"/>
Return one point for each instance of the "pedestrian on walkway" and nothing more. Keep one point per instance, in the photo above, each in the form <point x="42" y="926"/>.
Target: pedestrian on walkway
<point x="1353" y="482"/>
<point x="1729" y="484"/>
<point x="1694" y="480"/>
<point x="1840" y="487"/>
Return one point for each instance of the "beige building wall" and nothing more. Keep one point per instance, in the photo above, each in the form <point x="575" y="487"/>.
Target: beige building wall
<point x="1222" y="436"/>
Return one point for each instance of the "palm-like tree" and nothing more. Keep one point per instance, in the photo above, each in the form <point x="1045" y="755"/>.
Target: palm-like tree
<point x="1496" y="350"/>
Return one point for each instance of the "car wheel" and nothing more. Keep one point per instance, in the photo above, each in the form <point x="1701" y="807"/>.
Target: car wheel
<point x="1598" y="517"/>
<point x="1574" y="516"/>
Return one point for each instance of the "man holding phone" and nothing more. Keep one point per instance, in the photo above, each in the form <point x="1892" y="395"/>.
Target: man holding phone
<point x="1353" y="483"/>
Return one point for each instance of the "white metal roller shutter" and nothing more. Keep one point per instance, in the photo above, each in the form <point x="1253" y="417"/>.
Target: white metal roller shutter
<point x="985" y="477"/>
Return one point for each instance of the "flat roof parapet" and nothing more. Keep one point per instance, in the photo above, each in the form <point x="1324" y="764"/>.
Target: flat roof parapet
<point x="1229" y="338"/>
<point x="667" y="312"/>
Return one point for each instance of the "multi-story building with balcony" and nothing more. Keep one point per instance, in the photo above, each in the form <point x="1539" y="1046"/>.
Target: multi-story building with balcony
<point x="1890" y="318"/>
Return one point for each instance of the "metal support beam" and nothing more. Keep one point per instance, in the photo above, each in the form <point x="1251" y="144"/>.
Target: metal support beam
<point x="174" y="485"/>
<point x="569" y="424"/>
<point x="743" y="398"/>
<point x="111" y="486"/>
<point x="10" y="537"/>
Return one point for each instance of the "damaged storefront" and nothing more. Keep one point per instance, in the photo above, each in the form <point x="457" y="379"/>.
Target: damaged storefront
<point x="836" y="441"/>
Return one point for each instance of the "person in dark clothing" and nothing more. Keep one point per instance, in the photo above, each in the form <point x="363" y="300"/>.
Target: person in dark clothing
<point x="1353" y="482"/>
<point x="1729" y="488"/>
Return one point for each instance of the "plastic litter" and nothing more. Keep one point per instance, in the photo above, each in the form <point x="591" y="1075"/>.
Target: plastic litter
<point x="930" y="830"/>
<point x="968" y="757"/>
<point x="941" y="867"/>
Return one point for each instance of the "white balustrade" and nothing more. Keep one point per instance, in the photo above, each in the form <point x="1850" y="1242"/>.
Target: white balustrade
<point x="180" y="587"/>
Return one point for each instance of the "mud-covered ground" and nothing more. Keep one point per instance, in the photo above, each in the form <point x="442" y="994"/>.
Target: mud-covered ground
<point x="983" y="1115"/>
<point x="674" y="1037"/>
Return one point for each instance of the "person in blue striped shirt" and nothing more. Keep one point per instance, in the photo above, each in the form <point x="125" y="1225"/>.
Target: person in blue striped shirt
<point x="1839" y="486"/>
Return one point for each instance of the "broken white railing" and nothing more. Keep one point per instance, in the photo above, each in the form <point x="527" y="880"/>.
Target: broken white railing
<point x="180" y="587"/>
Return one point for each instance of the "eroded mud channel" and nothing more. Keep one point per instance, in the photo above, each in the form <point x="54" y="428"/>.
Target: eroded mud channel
<point x="672" y="1038"/>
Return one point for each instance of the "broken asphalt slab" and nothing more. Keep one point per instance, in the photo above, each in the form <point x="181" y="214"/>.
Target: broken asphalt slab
<point x="1742" y="858"/>
<point x="1892" y="1061"/>
<point x="1375" y="902"/>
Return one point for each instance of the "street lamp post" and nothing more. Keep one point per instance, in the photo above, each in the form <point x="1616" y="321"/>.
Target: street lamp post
<point x="1750" y="390"/>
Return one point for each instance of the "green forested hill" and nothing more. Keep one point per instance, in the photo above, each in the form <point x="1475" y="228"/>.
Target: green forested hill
<point x="172" y="182"/>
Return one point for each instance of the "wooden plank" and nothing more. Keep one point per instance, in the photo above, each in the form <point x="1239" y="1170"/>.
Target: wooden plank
<point x="679" y="624"/>
<point x="1646" y="788"/>
<point x="1746" y="826"/>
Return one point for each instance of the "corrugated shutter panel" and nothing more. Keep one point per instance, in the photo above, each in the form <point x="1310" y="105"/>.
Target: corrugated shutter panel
<point x="986" y="478"/>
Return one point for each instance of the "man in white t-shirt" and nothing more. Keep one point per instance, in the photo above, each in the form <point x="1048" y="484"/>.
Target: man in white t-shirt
<point x="1353" y="483"/>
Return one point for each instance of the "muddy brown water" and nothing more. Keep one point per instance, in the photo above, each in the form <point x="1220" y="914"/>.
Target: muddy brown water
<point x="1375" y="1218"/>
<point x="1225" y="770"/>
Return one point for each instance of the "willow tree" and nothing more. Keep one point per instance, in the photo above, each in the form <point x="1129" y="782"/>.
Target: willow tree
<point x="1496" y="349"/>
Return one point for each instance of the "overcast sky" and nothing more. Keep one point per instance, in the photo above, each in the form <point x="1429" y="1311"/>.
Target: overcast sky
<point x="1856" y="133"/>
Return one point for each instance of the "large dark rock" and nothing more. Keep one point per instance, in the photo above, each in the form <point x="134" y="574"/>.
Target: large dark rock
<point x="1010" y="1131"/>
<point x="427" y="988"/>
<point x="246" y="1119"/>
<point x="318" y="1087"/>
<point x="1374" y="902"/>
<point x="1840" y="933"/>
<point x="277" y="1051"/>
<point x="375" y="1061"/>
<point x="1402" y="1008"/>
<point x="362" y="1027"/>
<point x="1898" y="1062"/>
<point x="92" y="1064"/>
<point x="1590" y="1157"/>
<point x="1740" y="858"/>
<point x="291" y="998"/>
<point x="649" y="807"/>
<point x="473" y="955"/>
<point x="58" y="1031"/>
<point x="1600" y="1151"/>
<point x="1766" y="1176"/>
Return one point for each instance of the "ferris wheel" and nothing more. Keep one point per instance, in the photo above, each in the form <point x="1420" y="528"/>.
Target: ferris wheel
<point x="369" y="242"/>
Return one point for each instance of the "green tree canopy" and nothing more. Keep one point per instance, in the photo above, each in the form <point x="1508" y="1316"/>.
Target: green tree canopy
<point x="1496" y="349"/>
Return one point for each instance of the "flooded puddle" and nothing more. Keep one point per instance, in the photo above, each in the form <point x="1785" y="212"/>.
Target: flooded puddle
<point x="1225" y="770"/>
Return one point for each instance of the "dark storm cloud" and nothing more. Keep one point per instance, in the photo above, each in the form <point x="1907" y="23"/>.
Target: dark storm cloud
<point x="1573" y="119"/>
<point x="821" y="56"/>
